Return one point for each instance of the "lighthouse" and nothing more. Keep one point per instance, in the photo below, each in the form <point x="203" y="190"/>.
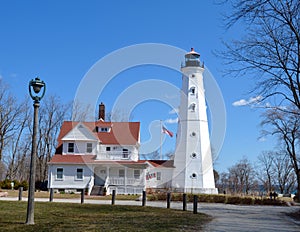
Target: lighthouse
<point x="193" y="172"/>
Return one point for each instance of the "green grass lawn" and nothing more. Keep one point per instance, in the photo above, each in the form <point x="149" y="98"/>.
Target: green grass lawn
<point x="51" y="216"/>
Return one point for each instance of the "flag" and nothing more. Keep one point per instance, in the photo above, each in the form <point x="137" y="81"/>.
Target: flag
<point x="166" y="131"/>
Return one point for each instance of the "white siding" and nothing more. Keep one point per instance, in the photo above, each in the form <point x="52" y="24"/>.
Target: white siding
<point x="69" y="180"/>
<point x="79" y="147"/>
<point x="152" y="180"/>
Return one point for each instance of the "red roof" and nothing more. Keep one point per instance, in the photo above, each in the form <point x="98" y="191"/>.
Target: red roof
<point x="161" y="163"/>
<point x="121" y="133"/>
<point x="88" y="159"/>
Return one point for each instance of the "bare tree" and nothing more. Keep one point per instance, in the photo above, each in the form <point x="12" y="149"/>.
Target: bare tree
<point x="10" y="111"/>
<point x="287" y="129"/>
<point x="119" y="115"/>
<point x="18" y="143"/>
<point x="242" y="176"/>
<point x="52" y="115"/>
<point x="283" y="170"/>
<point x="223" y="183"/>
<point x="81" y="112"/>
<point x="266" y="174"/>
<point x="270" y="49"/>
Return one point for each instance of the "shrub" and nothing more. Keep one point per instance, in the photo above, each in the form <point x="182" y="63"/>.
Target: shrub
<point x="24" y="184"/>
<point x="151" y="197"/>
<point x="267" y="201"/>
<point x="233" y="200"/>
<point x="176" y="197"/>
<point x="5" y="184"/>
<point x="214" y="198"/>
<point x="219" y="198"/>
<point x="247" y="201"/>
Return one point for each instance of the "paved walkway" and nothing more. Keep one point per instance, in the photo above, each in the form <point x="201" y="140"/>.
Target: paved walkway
<point x="225" y="217"/>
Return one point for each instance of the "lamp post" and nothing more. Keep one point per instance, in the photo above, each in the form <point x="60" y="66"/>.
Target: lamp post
<point x="36" y="85"/>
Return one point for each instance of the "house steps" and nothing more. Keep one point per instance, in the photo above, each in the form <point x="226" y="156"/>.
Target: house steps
<point x="97" y="190"/>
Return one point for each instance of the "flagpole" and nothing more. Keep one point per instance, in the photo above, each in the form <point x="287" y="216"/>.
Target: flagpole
<point x="160" y="153"/>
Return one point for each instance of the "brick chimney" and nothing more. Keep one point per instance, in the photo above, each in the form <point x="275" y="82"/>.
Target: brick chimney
<point x="101" y="115"/>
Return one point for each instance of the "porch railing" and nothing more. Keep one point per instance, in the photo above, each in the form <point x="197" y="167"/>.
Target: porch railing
<point x="114" y="155"/>
<point x="121" y="181"/>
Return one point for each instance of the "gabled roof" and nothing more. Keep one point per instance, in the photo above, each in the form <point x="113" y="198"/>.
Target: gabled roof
<point x="80" y="132"/>
<point x="121" y="133"/>
<point x="161" y="163"/>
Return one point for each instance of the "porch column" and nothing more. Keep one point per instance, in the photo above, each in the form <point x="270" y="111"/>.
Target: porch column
<point x="125" y="180"/>
<point x="107" y="176"/>
<point x="107" y="171"/>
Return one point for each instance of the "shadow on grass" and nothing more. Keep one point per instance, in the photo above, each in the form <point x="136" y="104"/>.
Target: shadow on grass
<point x="51" y="216"/>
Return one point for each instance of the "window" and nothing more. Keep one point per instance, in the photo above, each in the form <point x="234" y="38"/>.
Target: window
<point x="121" y="173"/>
<point x="104" y="129"/>
<point x="194" y="155"/>
<point x="79" y="174"/>
<point x="194" y="175"/>
<point x="59" y="173"/>
<point x="125" y="154"/>
<point x="193" y="107"/>
<point x="89" y="147"/>
<point x="107" y="148"/>
<point x="136" y="174"/>
<point x="192" y="90"/>
<point x="71" y="147"/>
<point x="158" y="175"/>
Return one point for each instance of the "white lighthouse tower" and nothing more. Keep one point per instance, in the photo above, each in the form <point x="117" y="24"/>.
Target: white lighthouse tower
<point x="193" y="171"/>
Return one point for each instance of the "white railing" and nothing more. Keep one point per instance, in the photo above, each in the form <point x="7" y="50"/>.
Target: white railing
<point x="114" y="155"/>
<point x="121" y="181"/>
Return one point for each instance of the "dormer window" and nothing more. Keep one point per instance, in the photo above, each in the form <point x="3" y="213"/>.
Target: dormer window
<point x="70" y="147"/>
<point x="102" y="129"/>
<point x="89" y="148"/>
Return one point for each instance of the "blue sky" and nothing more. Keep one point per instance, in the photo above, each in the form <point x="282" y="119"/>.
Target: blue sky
<point x="61" y="40"/>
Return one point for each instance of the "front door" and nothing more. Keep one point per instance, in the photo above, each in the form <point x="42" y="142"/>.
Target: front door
<point x="100" y="176"/>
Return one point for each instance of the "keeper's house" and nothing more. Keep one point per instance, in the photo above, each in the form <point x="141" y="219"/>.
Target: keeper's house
<point x="104" y="156"/>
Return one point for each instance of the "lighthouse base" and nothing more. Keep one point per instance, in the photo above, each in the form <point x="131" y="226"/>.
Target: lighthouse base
<point x="196" y="190"/>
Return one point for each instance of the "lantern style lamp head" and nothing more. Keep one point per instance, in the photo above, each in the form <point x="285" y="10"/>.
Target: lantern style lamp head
<point x="37" y="85"/>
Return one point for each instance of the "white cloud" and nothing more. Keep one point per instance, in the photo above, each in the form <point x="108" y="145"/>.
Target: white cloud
<point x="262" y="139"/>
<point x="174" y="111"/>
<point x="244" y="102"/>
<point x="171" y="120"/>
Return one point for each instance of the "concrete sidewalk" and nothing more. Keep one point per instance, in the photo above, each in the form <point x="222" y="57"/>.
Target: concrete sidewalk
<point x="225" y="217"/>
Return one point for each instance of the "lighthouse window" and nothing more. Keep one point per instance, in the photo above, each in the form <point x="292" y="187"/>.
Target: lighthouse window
<point x="194" y="155"/>
<point x="193" y="134"/>
<point x="193" y="90"/>
<point x="193" y="107"/>
<point x="194" y="175"/>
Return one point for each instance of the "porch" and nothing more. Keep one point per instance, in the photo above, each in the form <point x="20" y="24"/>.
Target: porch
<point x="123" y="179"/>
